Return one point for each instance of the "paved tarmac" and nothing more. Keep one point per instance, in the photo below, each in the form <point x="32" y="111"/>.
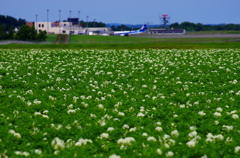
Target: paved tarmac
<point x="196" y="36"/>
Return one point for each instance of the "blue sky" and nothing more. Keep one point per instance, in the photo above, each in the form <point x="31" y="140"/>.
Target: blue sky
<point x="126" y="11"/>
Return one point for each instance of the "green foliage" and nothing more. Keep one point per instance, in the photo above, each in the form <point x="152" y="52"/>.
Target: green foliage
<point x="8" y="21"/>
<point x="3" y="34"/>
<point x="200" y="27"/>
<point x="42" y="35"/>
<point x="26" y="33"/>
<point x="11" y="32"/>
<point x="92" y="24"/>
<point x="121" y="28"/>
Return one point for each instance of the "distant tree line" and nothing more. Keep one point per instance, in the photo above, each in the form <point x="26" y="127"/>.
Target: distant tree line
<point x="92" y="24"/>
<point x="89" y="24"/>
<point x="188" y="26"/>
<point x="7" y="30"/>
<point x="9" y="22"/>
<point x="122" y="28"/>
<point x="25" y="32"/>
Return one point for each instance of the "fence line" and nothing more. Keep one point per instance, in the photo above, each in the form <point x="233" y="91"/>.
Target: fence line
<point x="3" y="42"/>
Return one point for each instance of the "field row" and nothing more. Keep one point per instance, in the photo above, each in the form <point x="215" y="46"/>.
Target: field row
<point x="120" y="103"/>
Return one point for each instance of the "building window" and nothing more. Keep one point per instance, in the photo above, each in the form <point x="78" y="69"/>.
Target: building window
<point x="63" y="31"/>
<point x="42" y="25"/>
<point x="39" y="25"/>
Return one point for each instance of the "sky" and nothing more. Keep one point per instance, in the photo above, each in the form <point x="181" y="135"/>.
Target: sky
<point x="126" y="11"/>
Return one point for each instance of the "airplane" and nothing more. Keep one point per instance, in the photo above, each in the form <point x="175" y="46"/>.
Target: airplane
<point x="127" y="33"/>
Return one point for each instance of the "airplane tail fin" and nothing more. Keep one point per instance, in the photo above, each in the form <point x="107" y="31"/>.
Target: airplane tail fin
<point x="143" y="28"/>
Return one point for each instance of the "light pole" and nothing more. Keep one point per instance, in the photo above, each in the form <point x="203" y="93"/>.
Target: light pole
<point x="79" y="18"/>
<point x="87" y="21"/>
<point x="70" y="21"/>
<point x="36" y="23"/>
<point x="47" y="21"/>
<point x="59" y="24"/>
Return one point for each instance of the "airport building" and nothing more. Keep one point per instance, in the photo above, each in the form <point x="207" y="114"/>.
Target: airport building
<point x="70" y="27"/>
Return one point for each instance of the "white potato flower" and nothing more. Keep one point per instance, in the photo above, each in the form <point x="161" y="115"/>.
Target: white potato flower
<point x="37" y="113"/>
<point x="126" y="141"/>
<point x="228" y="128"/>
<point x="132" y="129"/>
<point x="175" y="133"/>
<point x="169" y="154"/>
<point x="71" y="111"/>
<point x="114" y="156"/>
<point x="202" y="113"/>
<point x="125" y="126"/>
<point x="191" y="143"/>
<point x="140" y="114"/>
<point x="204" y="156"/>
<point x="159" y="129"/>
<point x="235" y="116"/>
<point x="82" y="141"/>
<point x="45" y="116"/>
<point x="192" y="134"/>
<point x="193" y="128"/>
<point x="17" y="135"/>
<point x="237" y="149"/>
<point x="121" y="114"/>
<point x="104" y="135"/>
<point x="217" y="114"/>
<point x="159" y="151"/>
<point x="110" y="129"/>
<point x="38" y="151"/>
<point x="58" y="144"/>
<point x="100" y="106"/>
<point x="151" y="139"/>
<point x="219" y="109"/>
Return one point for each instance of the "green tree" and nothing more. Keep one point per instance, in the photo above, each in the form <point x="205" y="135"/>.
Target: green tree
<point x="3" y="34"/>
<point x="26" y="33"/>
<point x="198" y="27"/>
<point x="41" y="36"/>
<point x="11" y="32"/>
<point x="8" y="21"/>
<point x="174" y="25"/>
<point x="33" y="34"/>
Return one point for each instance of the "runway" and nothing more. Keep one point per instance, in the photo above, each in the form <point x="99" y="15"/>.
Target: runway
<point x="196" y="36"/>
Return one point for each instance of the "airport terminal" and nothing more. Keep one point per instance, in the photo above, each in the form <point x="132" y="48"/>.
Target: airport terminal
<point x="73" y="26"/>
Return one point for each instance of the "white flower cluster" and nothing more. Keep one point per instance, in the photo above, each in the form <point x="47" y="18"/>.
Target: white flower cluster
<point x="82" y="142"/>
<point x="126" y="141"/>
<point x="15" y="134"/>
<point x="213" y="138"/>
<point x="22" y="153"/>
<point x="194" y="137"/>
<point x="59" y="144"/>
<point x="44" y="115"/>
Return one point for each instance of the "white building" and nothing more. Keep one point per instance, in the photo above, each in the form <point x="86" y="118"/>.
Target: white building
<point x="67" y="28"/>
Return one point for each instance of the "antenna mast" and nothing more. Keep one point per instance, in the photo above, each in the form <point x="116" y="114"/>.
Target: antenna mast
<point x="164" y="20"/>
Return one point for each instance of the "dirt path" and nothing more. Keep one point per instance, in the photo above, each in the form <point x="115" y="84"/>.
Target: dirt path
<point x="62" y="38"/>
<point x="58" y="39"/>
